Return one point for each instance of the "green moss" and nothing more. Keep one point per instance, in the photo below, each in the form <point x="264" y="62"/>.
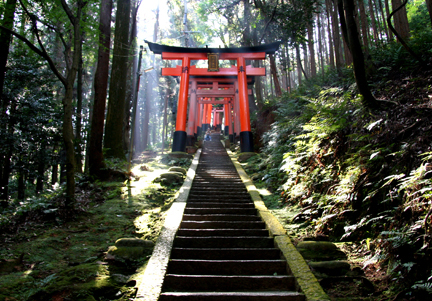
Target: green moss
<point x="69" y="259"/>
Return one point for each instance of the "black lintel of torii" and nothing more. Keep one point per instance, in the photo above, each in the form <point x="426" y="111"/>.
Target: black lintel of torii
<point x="267" y="48"/>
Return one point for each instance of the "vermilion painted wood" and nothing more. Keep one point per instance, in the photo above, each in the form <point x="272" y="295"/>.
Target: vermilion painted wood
<point x="213" y="102"/>
<point x="194" y="71"/>
<point x="209" y="112"/>
<point x="207" y="80"/>
<point x="243" y="96"/>
<point x="236" y="112"/>
<point x="183" y="96"/>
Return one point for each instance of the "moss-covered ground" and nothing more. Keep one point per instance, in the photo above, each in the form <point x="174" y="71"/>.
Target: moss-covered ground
<point x="51" y="256"/>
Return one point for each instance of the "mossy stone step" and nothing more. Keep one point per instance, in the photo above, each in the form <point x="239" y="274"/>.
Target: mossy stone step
<point x="330" y="268"/>
<point x="320" y="251"/>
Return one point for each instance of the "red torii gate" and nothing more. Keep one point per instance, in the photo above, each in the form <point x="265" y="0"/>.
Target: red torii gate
<point x="221" y="87"/>
<point x="186" y="55"/>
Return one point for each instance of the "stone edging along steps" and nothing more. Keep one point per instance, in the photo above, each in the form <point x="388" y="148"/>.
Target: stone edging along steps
<point x="150" y="286"/>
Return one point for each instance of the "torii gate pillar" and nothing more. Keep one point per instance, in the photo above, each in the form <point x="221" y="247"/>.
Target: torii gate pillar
<point x="246" y="138"/>
<point x="179" y="138"/>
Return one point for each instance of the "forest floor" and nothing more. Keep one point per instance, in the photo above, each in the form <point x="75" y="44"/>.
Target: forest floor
<point x="47" y="254"/>
<point x="406" y="96"/>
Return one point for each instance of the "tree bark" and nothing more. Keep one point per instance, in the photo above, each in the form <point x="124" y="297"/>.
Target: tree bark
<point x="364" y="25"/>
<point x="78" y="118"/>
<point x="113" y="141"/>
<point x="373" y="20"/>
<point x="350" y="31"/>
<point x="273" y="70"/>
<point x="330" y="33"/>
<point x="146" y="119"/>
<point x="429" y="7"/>
<point x="5" y="40"/>
<point x="313" y="68"/>
<point x="337" y="39"/>
<point x="401" y="19"/>
<point x="390" y="37"/>
<point x="40" y="179"/>
<point x="8" y="150"/>
<point x="96" y="162"/>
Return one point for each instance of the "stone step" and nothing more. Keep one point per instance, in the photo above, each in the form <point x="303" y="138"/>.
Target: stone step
<point x="218" y="199"/>
<point x="204" y="204"/>
<point x="228" y="211"/>
<point x="220" y="217"/>
<point x="217" y="189"/>
<point x="185" y="224"/>
<point x="223" y="242"/>
<point x="227" y="267"/>
<point x="232" y="296"/>
<point x="225" y="253"/>
<point x="221" y="283"/>
<point x="222" y="232"/>
<point x="219" y="193"/>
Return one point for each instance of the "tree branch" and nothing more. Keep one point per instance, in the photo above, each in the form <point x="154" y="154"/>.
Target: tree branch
<point x="419" y="59"/>
<point x="35" y="18"/>
<point x="268" y="22"/>
<point x="41" y="53"/>
<point x="68" y="11"/>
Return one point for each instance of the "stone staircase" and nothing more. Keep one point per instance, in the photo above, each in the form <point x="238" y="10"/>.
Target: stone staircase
<point x="222" y="250"/>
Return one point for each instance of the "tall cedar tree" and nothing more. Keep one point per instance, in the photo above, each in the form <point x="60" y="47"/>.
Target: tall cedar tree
<point x="96" y="162"/>
<point x="114" y="131"/>
<point x="5" y="40"/>
<point x="350" y="32"/>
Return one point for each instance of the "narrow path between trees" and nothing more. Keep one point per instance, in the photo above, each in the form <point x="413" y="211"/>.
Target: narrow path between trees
<point x="223" y="250"/>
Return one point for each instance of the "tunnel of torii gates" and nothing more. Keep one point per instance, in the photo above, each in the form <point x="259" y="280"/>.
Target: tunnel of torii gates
<point x="205" y="87"/>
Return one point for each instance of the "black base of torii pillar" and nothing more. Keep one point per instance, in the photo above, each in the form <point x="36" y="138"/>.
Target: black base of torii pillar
<point x="246" y="142"/>
<point x="179" y="141"/>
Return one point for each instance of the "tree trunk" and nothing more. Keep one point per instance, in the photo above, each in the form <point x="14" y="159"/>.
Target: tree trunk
<point x="299" y="65"/>
<point x="146" y="119"/>
<point x="78" y="118"/>
<point x="401" y="20"/>
<point x="373" y="20"/>
<point x="388" y="14"/>
<point x="96" y="162"/>
<point x="113" y="141"/>
<point x="273" y="70"/>
<point x="377" y="13"/>
<point x="369" y="100"/>
<point x="337" y="39"/>
<point x="8" y="148"/>
<point x="21" y="180"/>
<point x="5" y="40"/>
<point x="313" y="69"/>
<point x="40" y="179"/>
<point x="246" y="20"/>
<point x="330" y="33"/>
<point x="306" y="65"/>
<point x="258" y="82"/>
<point x="131" y="74"/>
<point x="364" y="25"/>
<point x="429" y="7"/>
<point x="383" y="16"/>
<point x="54" y="174"/>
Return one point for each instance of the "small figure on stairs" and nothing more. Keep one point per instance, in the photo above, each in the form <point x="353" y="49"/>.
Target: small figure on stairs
<point x="207" y="135"/>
